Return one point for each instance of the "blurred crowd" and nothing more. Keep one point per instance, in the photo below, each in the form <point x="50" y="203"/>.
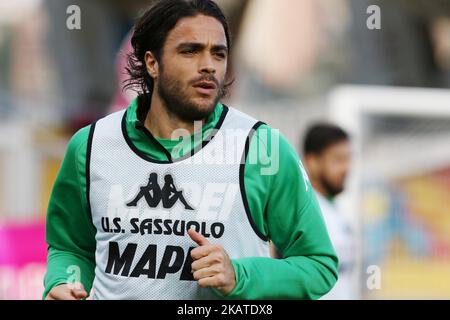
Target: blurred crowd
<point x="286" y="49"/>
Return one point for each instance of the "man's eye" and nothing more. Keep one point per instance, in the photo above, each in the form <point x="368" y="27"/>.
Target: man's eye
<point x="189" y="52"/>
<point x="221" y="55"/>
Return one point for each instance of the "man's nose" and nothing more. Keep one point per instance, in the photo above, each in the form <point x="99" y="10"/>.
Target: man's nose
<point x="207" y="64"/>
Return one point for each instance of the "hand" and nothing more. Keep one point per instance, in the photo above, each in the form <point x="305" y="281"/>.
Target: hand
<point x="212" y="267"/>
<point x="73" y="291"/>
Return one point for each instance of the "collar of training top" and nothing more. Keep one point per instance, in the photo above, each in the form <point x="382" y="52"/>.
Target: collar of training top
<point x="134" y="119"/>
<point x="140" y="106"/>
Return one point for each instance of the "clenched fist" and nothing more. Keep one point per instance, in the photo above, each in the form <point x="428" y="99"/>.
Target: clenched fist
<point x="212" y="267"/>
<point x="73" y="291"/>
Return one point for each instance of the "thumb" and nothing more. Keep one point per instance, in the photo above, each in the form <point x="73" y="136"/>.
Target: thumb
<point x="198" y="238"/>
<point x="78" y="291"/>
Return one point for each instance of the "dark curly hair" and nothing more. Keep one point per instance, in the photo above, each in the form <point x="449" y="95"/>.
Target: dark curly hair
<point x="320" y="136"/>
<point x="151" y="31"/>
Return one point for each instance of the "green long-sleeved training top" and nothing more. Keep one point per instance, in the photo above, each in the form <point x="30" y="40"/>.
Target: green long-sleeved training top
<point x="282" y="204"/>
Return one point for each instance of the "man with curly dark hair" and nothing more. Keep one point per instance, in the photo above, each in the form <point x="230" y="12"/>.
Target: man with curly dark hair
<point x="228" y="183"/>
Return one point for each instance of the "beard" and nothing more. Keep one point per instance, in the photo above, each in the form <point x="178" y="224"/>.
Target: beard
<point x="178" y="102"/>
<point x="331" y="189"/>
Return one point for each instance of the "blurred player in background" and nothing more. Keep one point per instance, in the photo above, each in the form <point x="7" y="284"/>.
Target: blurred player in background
<point x="326" y="152"/>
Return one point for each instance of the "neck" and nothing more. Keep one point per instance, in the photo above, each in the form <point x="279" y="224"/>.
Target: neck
<point x="162" y="123"/>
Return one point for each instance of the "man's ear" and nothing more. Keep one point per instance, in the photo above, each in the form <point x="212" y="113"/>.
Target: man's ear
<point x="311" y="162"/>
<point x="151" y="64"/>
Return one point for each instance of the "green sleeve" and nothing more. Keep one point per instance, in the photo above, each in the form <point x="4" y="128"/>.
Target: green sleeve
<point x="284" y="208"/>
<point x="70" y="234"/>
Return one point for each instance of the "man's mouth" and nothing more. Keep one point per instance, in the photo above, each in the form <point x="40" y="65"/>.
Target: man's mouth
<point x="205" y="87"/>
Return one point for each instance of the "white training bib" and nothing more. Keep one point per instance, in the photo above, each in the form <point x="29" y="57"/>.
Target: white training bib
<point x="343" y="240"/>
<point x="142" y="209"/>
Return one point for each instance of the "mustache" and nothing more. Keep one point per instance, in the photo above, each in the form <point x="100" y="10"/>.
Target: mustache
<point x="209" y="78"/>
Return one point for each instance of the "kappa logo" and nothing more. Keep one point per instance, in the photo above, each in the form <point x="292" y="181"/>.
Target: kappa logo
<point x="154" y="194"/>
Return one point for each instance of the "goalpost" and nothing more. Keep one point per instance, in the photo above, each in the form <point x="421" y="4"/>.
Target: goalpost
<point x="398" y="192"/>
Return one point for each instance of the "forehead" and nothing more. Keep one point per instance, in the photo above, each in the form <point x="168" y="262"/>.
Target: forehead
<point x="338" y="148"/>
<point x="198" y="29"/>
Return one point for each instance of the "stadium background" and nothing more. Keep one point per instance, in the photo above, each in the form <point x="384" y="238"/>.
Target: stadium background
<point x="295" y="62"/>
